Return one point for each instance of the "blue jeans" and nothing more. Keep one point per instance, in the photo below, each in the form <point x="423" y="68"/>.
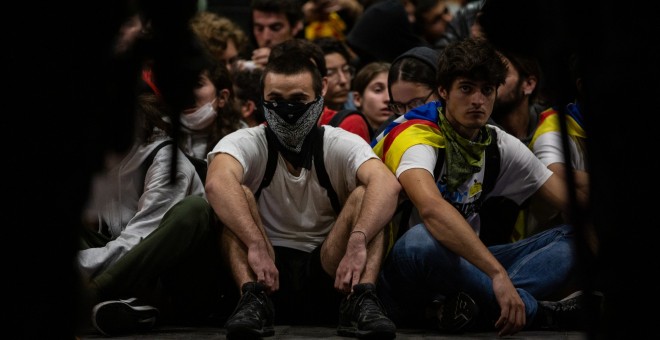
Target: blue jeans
<point x="419" y="268"/>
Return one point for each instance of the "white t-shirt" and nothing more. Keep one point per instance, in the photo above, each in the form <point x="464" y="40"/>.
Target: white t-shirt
<point x="295" y="210"/>
<point x="521" y="175"/>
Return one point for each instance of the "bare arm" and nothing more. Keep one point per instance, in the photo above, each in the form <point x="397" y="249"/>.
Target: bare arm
<point x="361" y="258"/>
<point x="380" y="199"/>
<point x="449" y="227"/>
<point x="225" y="194"/>
<point x="581" y="177"/>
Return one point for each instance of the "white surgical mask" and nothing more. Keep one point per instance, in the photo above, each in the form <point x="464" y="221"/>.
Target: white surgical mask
<point x="200" y="119"/>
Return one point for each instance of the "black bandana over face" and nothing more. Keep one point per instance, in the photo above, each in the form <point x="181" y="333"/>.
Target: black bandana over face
<point x="292" y="124"/>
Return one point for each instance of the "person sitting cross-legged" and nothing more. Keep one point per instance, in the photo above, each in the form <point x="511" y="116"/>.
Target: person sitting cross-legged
<point x="440" y="153"/>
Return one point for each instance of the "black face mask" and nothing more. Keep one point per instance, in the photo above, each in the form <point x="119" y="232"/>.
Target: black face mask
<point x="288" y="110"/>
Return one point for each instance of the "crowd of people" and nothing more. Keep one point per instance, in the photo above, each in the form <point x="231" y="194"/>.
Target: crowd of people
<point x="448" y="202"/>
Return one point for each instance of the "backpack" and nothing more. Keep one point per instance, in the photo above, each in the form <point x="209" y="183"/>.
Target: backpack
<point x="319" y="165"/>
<point x="492" y="170"/>
<point x="342" y="114"/>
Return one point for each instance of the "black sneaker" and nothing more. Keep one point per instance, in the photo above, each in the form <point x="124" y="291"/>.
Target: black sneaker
<point x="361" y="315"/>
<point x="456" y="313"/>
<point x="254" y="315"/>
<point x="118" y="317"/>
<point x="569" y="313"/>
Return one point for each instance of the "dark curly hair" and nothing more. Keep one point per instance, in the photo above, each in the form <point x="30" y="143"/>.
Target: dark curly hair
<point x="473" y="58"/>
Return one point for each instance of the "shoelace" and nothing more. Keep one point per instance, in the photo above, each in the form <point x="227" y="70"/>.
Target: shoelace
<point x="251" y="302"/>
<point x="369" y="304"/>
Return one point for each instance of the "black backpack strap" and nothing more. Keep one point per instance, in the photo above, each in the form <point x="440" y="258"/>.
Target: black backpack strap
<point x="271" y="164"/>
<point x="322" y="173"/>
<point x="439" y="163"/>
<point x="342" y="114"/>
<point x="201" y="167"/>
<point x="492" y="164"/>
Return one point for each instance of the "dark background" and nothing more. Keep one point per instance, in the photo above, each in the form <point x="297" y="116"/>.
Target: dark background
<point x="62" y="111"/>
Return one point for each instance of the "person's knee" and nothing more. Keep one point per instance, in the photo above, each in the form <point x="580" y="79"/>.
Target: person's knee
<point x="190" y="213"/>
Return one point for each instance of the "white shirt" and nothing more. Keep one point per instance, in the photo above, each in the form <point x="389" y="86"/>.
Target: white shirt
<point x="521" y="175"/>
<point x="295" y="210"/>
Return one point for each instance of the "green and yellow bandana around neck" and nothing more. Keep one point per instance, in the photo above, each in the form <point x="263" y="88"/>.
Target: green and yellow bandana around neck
<point x="462" y="156"/>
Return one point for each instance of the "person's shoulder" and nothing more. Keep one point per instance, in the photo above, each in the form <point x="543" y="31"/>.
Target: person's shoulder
<point x="332" y="132"/>
<point x="504" y="139"/>
<point x="247" y="132"/>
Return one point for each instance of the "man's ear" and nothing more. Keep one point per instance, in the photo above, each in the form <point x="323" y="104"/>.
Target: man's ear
<point x="325" y="86"/>
<point x="442" y="92"/>
<point x="223" y="97"/>
<point x="247" y="109"/>
<point x="529" y="85"/>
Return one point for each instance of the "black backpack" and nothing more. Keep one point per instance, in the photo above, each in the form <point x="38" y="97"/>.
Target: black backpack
<point x="492" y="164"/>
<point x="319" y="165"/>
<point x="342" y="114"/>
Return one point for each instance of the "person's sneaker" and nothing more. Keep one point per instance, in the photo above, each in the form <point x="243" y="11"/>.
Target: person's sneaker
<point x="455" y="313"/>
<point x="569" y="313"/>
<point x="117" y="317"/>
<point x="361" y="315"/>
<point x="254" y="315"/>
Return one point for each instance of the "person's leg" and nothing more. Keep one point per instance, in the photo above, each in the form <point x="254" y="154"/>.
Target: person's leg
<point x="334" y="247"/>
<point x="360" y="313"/>
<point x="235" y="252"/>
<point x="176" y="268"/>
<point x="419" y="267"/>
<point x="412" y="274"/>
<point x="183" y="231"/>
<point x="253" y="316"/>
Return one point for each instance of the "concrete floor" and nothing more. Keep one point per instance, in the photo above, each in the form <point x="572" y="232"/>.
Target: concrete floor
<point x="298" y="332"/>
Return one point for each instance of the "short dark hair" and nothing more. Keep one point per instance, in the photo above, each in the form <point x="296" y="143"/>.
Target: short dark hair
<point x="246" y="86"/>
<point x="526" y="66"/>
<point x="333" y="45"/>
<point x="474" y="58"/>
<point x="294" y="63"/>
<point x="292" y="9"/>
<point x="304" y="47"/>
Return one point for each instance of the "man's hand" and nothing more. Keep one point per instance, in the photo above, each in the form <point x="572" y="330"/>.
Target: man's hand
<point x="512" y="308"/>
<point x="352" y="264"/>
<point x="263" y="266"/>
<point x="260" y="56"/>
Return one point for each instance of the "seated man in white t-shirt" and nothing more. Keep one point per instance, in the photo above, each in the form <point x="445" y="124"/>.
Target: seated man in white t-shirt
<point x="285" y="243"/>
<point x="440" y="265"/>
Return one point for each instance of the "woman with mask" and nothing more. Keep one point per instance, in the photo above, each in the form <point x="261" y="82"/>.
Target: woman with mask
<point x="213" y="115"/>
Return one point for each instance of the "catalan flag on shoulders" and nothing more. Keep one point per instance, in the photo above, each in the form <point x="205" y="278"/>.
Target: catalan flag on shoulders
<point x="417" y="126"/>
<point x="549" y="122"/>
